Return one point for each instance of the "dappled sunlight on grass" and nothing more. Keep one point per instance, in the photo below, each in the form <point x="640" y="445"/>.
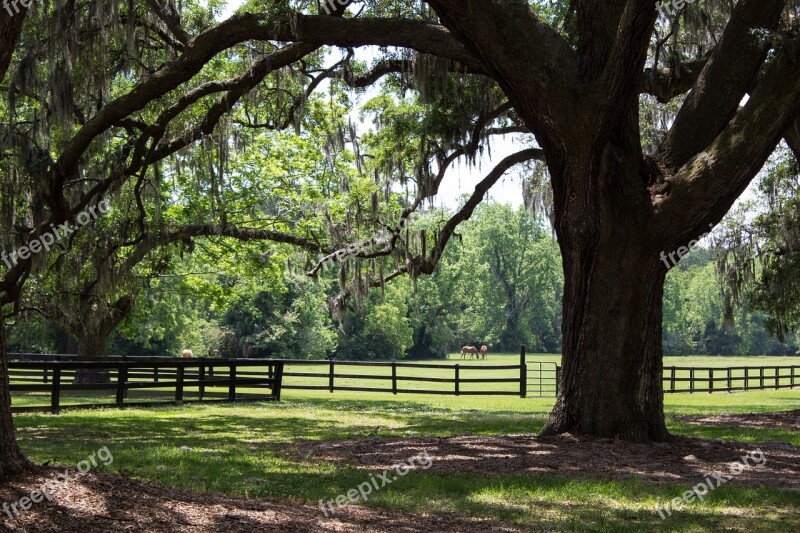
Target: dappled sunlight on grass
<point x="241" y="450"/>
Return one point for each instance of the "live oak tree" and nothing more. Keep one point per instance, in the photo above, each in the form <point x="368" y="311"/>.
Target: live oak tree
<point x="93" y="279"/>
<point x="570" y="74"/>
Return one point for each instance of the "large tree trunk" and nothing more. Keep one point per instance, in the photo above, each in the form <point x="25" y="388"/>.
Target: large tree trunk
<point x="613" y="290"/>
<point x="93" y="342"/>
<point x="611" y="366"/>
<point x="93" y="346"/>
<point x="93" y="334"/>
<point x="12" y="460"/>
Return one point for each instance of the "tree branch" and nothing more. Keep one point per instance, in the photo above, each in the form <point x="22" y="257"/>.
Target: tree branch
<point x="667" y="83"/>
<point x="185" y="233"/>
<point x="534" y="65"/>
<point x="10" y="30"/>
<point x="425" y="265"/>
<point x="727" y="76"/>
<point x="169" y="15"/>
<point x="703" y="190"/>
<point x="312" y="30"/>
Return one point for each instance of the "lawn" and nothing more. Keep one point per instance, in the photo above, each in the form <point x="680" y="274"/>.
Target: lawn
<point x="240" y="450"/>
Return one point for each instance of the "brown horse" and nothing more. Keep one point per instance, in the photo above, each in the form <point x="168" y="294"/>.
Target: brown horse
<point x="471" y="350"/>
<point x="484" y="351"/>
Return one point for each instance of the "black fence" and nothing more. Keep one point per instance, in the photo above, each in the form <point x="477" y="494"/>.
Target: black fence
<point x="120" y="383"/>
<point x="131" y="372"/>
<point x="399" y="378"/>
<point x="729" y="379"/>
<point x="169" y="379"/>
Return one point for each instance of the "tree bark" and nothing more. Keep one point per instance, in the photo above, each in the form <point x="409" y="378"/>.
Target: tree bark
<point x="611" y="366"/>
<point x="12" y="460"/>
<point x="93" y="343"/>
<point x="613" y="291"/>
<point x="93" y="346"/>
<point x="10" y="29"/>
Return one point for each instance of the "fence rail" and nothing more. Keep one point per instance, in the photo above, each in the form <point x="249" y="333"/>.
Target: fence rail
<point x="730" y="379"/>
<point x="202" y="379"/>
<point x="178" y="380"/>
<point x="395" y="381"/>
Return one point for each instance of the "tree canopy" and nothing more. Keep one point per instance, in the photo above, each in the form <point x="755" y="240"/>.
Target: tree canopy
<point x="107" y="99"/>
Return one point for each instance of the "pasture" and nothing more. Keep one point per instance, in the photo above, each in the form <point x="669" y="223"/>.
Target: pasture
<point x="286" y="453"/>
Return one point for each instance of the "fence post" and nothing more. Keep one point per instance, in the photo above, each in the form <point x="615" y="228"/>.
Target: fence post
<point x="394" y="377"/>
<point x="523" y="373"/>
<point x="179" y="386"/>
<point x="458" y="385"/>
<point x="155" y="373"/>
<point x="122" y="379"/>
<point x="746" y="378"/>
<point x="55" y="396"/>
<point x="730" y="381"/>
<point x="793" y="367"/>
<point x="232" y="385"/>
<point x="672" y="378"/>
<point x="277" y="383"/>
<point x="710" y="380"/>
<point x="761" y="378"/>
<point x="558" y="379"/>
<point x="691" y="380"/>
<point x="330" y="377"/>
<point x="202" y="386"/>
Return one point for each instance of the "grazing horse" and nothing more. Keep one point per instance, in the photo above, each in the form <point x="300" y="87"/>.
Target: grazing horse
<point x="484" y="351"/>
<point x="471" y="350"/>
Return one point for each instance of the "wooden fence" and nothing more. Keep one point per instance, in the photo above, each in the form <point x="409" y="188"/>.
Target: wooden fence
<point x="201" y="379"/>
<point x="334" y="375"/>
<point x="163" y="379"/>
<point x="729" y="379"/>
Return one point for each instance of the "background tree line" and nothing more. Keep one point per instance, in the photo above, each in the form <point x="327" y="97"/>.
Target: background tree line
<point x="500" y="282"/>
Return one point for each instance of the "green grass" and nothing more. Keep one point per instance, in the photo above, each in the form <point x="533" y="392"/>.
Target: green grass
<point x="238" y="450"/>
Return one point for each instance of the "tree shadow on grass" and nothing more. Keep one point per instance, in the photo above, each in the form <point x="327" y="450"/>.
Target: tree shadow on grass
<point x="418" y="502"/>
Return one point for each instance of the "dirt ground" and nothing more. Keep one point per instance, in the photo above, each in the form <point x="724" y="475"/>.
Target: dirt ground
<point x="102" y="502"/>
<point x="785" y="420"/>
<point x="682" y="461"/>
<point x="107" y="503"/>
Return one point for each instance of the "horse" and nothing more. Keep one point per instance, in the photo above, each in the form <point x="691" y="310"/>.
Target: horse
<point x="187" y="354"/>
<point x="469" y="350"/>
<point x="484" y="351"/>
